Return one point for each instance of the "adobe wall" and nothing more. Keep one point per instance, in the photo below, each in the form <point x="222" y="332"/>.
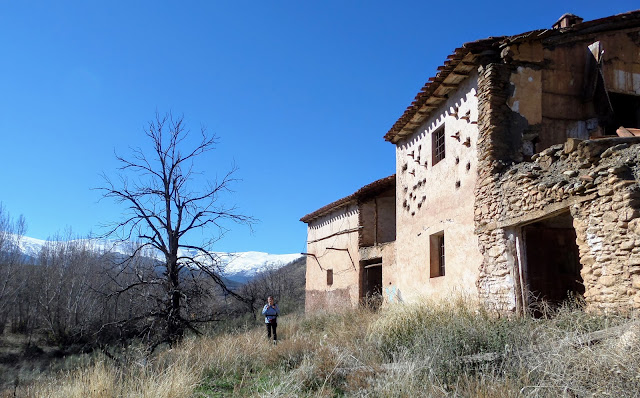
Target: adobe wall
<point x="378" y="219"/>
<point x="550" y="86"/>
<point x="598" y="182"/>
<point x="333" y="241"/>
<point x="438" y="198"/>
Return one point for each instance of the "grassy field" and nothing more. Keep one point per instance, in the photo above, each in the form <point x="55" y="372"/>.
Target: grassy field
<point x="433" y="350"/>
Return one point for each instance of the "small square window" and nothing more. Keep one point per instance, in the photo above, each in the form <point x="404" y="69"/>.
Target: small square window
<point x="437" y="256"/>
<point x="329" y="277"/>
<point x="437" y="148"/>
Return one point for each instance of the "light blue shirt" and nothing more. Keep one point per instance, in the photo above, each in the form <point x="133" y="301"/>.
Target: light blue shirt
<point x="270" y="312"/>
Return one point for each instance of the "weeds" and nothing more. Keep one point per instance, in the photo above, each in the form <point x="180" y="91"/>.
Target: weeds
<point x="444" y="349"/>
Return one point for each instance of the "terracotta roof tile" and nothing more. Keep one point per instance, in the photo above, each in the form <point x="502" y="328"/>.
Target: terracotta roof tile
<point x="405" y="124"/>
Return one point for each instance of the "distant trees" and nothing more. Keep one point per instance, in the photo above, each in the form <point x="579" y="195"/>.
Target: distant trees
<point x="86" y="294"/>
<point x="163" y="205"/>
<point x="286" y="284"/>
<point x="11" y="232"/>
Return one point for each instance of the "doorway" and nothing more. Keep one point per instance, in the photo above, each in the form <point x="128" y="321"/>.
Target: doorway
<point x="552" y="271"/>
<point x="371" y="281"/>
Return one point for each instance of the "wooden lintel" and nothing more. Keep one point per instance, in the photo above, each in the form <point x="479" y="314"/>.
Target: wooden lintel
<point x="458" y="73"/>
<point x="448" y="85"/>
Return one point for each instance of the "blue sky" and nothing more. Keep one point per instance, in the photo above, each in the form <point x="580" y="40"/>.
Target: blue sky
<point x="300" y="94"/>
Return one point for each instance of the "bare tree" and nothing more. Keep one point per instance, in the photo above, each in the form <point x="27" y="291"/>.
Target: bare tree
<point x="164" y="204"/>
<point x="11" y="232"/>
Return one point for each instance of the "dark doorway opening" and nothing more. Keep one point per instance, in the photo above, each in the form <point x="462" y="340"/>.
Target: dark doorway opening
<point x="625" y="112"/>
<point x="371" y="291"/>
<point x="552" y="272"/>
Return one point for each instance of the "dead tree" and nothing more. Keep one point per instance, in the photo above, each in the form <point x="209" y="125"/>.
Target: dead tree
<point x="165" y="200"/>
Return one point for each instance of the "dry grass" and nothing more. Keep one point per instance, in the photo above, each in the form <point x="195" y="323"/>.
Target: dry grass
<point x="431" y="350"/>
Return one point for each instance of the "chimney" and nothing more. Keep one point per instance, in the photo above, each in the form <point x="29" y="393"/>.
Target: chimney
<point x="567" y="21"/>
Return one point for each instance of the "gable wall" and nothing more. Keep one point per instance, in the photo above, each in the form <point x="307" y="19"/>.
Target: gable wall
<point x="336" y="230"/>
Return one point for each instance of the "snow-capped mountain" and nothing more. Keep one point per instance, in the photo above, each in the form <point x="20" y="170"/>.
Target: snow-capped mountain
<point x="239" y="267"/>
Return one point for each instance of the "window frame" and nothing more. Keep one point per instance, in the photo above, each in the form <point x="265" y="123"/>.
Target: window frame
<point x="437" y="255"/>
<point x="438" y="146"/>
<point x="330" y="277"/>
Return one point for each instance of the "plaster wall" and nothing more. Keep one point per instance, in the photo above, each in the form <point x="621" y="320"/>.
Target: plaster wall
<point x="438" y="198"/>
<point x="333" y="241"/>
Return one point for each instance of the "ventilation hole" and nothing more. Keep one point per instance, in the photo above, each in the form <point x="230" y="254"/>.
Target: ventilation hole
<point x="457" y="160"/>
<point x="457" y="184"/>
<point x="404" y="167"/>
<point x="468" y="166"/>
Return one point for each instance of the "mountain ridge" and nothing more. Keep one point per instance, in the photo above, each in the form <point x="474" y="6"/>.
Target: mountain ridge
<point x="236" y="266"/>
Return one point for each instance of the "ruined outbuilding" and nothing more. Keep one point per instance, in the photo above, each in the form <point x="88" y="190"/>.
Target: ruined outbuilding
<point x="516" y="177"/>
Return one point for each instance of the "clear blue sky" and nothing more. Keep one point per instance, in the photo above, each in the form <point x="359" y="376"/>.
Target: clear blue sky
<point x="300" y="94"/>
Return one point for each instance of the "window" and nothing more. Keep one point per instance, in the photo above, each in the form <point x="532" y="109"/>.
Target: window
<point x="437" y="256"/>
<point x="329" y="277"/>
<point x="437" y="148"/>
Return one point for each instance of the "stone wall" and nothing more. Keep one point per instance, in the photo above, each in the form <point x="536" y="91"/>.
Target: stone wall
<point x="598" y="182"/>
<point x="495" y="281"/>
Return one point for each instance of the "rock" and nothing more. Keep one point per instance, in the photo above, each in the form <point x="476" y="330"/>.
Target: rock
<point x="607" y="280"/>
<point x="628" y="244"/>
<point x="628" y="214"/>
<point x="605" y="191"/>
<point x="571" y="145"/>
<point x="610" y="216"/>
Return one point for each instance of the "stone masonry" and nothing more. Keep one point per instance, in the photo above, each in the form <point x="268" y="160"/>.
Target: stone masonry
<point x="598" y="182"/>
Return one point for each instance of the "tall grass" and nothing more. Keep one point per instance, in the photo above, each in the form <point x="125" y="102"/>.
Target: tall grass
<point x="443" y="349"/>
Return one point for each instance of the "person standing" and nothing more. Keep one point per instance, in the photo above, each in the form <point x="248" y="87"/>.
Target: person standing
<point x="271" y="312"/>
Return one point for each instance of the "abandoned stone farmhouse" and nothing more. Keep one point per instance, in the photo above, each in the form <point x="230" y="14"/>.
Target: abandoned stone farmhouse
<point x="517" y="179"/>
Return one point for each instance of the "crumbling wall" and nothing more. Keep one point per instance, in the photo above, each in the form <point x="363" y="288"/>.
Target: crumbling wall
<point x="556" y="90"/>
<point x="598" y="182"/>
<point x="495" y="281"/>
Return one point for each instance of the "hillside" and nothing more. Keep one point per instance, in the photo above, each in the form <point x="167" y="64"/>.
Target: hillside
<point x="424" y="350"/>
